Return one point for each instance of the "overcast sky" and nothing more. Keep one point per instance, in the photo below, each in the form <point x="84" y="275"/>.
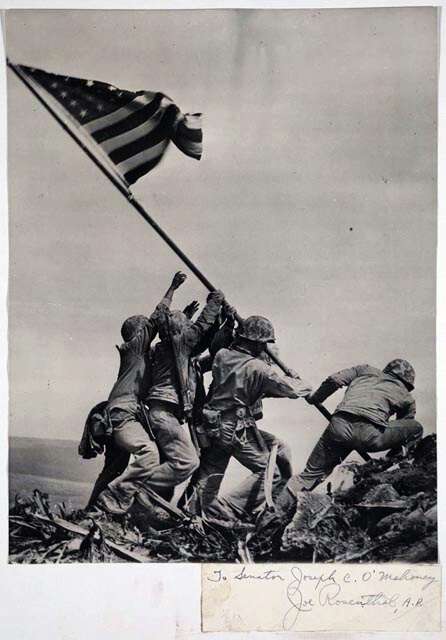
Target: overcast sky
<point x="314" y="203"/>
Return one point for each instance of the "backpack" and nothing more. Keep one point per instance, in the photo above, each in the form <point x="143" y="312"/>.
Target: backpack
<point x="97" y="430"/>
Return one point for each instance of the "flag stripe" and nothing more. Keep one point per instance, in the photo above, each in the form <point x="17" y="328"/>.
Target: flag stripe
<point x="125" y="138"/>
<point x="192" y="120"/>
<point x="72" y="123"/>
<point x="133" y="175"/>
<point x="191" y="149"/>
<point x="161" y="132"/>
<point x="134" y="105"/>
<point x="130" y="130"/>
<point x="142" y="156"/>
<point x="194" y="135"/>
<point x="129" y="121"/>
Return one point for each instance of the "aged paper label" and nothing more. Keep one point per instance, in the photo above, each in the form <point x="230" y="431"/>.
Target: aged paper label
<point x="320" y="597"/>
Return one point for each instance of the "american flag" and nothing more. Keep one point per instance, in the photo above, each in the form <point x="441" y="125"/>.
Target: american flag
<point x="133" y="129"/>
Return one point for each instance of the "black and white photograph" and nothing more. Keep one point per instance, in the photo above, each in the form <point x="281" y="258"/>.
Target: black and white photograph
<point x="222" y="285"/>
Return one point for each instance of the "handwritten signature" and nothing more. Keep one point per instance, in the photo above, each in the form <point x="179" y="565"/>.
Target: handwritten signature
<point x="310" y="589"/>
<point x="306" y="591"/>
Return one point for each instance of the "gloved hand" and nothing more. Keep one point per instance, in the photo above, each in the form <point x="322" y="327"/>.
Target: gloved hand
<point x="178" y="279"/>
<point x="229" y="311"/>
<point x="191" y="309"/>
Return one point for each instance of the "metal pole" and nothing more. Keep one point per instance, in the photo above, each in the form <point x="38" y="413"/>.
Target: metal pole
<point x="142" y="212"/>
<point x="125" y="191"/>
<point x="195" y="270"/>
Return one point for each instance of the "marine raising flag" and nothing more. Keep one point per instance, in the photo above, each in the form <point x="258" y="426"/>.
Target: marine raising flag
<point x="131" y="129"/>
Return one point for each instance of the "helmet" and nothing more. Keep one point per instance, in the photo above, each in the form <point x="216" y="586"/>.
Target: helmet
<point x="178" y="321"/>
<point x="131" y="326"/>
<point x="257" y="329"/>
<point x="403" y="370"/>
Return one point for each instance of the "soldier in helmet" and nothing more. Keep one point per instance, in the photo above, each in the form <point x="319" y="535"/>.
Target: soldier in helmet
<point x="241" y="377"/>
<point x="205" y="483"/>
<point x="360" y="422"/>
<point x="172" y="393"/>
<point x="124" y="414"/>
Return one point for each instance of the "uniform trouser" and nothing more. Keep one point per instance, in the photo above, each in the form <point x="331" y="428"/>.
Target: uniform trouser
<point x="131" y="437"/>
<point x="346" y="433"/>
<point x="177" y="450"/>
<point x="252" y="454"/>
<point x="116" y="461"/>
<point x="215" y="458"/>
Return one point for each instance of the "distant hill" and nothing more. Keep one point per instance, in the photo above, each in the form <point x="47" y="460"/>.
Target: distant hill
<point x="52" y="466"/>
<point x="74" y="494"/>
<point x="51" y="458"/>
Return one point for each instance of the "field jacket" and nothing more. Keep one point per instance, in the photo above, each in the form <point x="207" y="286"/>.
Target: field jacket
<point x="241" y="380"/>
<point x="173" y="371"/>
<point x="371" y="394"/>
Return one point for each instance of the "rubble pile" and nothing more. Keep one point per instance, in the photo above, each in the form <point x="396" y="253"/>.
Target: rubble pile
<point x="388" y="514"/>
<point x="39" y="534"/>
<point x="319" y="531"/>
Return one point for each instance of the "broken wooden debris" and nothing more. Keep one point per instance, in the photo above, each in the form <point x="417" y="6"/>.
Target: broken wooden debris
<point x="367" y="522"/>
<point x="400" y="525"/>
<point x="89" y="537"/>
<point x="269" y="476"/>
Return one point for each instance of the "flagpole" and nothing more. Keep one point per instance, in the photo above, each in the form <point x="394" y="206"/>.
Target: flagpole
<point x="140" y="209"/>
<point x="124" y="190"/>
<point x="148" y="218"/>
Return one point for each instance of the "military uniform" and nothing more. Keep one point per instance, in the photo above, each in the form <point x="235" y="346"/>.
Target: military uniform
<point x="361" y="420"/>
<point x="214" y="460"/>
<point x="239" y="381"/>
<point x="123" y="412"/>
<point x="125" y="415"/>
<point x="172" y="394"/>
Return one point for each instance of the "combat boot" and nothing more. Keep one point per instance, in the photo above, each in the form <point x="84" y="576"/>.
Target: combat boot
<point x="110" y="502"/>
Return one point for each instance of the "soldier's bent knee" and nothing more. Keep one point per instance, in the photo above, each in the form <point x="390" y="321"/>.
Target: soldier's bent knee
<point x="195" y="463"/>
<point x="283" y="450"/>
<point x="416" y="429"/>
<point x="185" y="468"/>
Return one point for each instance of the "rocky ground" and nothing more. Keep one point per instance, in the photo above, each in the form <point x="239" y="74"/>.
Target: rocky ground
<point x="388" y="513"/>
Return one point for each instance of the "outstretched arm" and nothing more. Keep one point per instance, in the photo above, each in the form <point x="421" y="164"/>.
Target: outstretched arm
<point x="159" y="314"/>
<point x="148" y="330"/>
<point x="336" y="381"/>
<point x="267" y="383"/>
<point x="177" y="281"/>
<point x="205" y="320"/>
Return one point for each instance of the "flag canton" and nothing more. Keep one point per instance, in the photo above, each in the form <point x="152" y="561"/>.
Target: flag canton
<point x="133" y="129"/>
<point x="85" y="100"/>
